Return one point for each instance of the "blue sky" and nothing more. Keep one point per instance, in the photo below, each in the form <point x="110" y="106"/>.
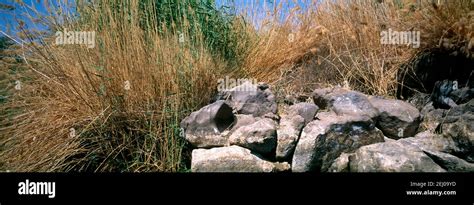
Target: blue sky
<point x="8" y="17"/>
<point x="255" y="8"/>
<point x="258" y="9"/>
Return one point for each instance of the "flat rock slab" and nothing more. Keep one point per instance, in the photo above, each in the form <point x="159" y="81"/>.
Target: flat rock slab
<point x="450" y="162"/>
<point x="428" y="141"/>
<point x="391" y="157"/>
<point x="232" y="159"/>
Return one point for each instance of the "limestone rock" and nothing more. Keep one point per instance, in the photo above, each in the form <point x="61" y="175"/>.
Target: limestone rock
<point x="290" y="128"/>
<point x="391" y="157"/>
<point x="230" y="159"/>
<point x="450" y="162"/>
<point x="344" y="102"/>
<point x="430" y="141"/>
<point x="259" y="136"/>
<point x="323" y="140"/>
<point x="204" y="127"/>
<point x="397" y="119"/>
<point x="249" y="99"/>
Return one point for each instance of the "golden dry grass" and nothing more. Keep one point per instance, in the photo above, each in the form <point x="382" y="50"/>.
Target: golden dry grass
<point x="84" y="89"/>
<point x="338" y="42"/>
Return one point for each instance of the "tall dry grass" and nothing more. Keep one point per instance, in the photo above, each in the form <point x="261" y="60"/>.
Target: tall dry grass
<point x="77" y="112"/>
<point x="338" y="42"/>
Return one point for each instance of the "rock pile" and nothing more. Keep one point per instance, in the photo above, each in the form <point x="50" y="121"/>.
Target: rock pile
<point x="340" y="131"/>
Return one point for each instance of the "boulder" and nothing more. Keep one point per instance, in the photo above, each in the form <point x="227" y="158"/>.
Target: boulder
<point x="450" y="162"/>
<point x="397" y="119"/>
<point x="288" y="134"/>
<point x="344" y="102"/>
<point x="391" y="157"/>
<point x="204" y="127"/>
<point x="305" y="110"/>
<point x="324" y="139"/>
<point x="458" y="124"/>
<point x="250" y="99"/>
<point x="428" y="141"/>
<point x="290" y="128"/>
<point x="260" y="136"/>
<point x="232" y="159"/>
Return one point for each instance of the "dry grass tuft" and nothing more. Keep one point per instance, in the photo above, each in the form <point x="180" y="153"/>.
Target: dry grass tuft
<point x="338" y="42"/>
<point x="76" y="112"/>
